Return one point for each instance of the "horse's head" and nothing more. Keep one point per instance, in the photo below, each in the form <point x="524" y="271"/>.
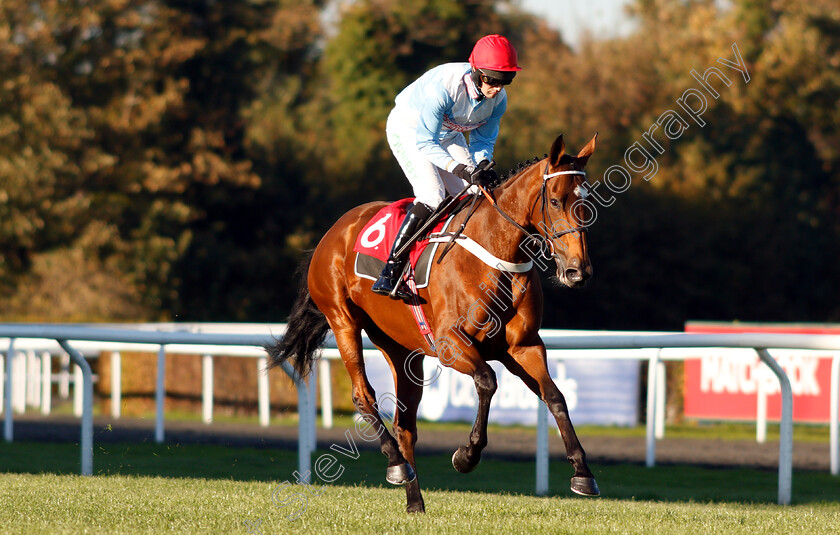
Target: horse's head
<point x="561" y="212"/>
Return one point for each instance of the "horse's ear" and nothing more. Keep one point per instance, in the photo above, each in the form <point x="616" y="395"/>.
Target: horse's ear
<point x="558" y="148"/>
<point x="587" y="151"/>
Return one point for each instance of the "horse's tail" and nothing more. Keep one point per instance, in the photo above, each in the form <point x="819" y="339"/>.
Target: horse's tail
<point x="306" y="330"/>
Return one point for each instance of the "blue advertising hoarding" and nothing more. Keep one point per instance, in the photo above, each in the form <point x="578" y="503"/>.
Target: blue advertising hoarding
<point x="597" y="392"/>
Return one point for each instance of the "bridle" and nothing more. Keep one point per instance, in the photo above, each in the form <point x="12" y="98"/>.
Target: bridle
<point x="543" y="200"/>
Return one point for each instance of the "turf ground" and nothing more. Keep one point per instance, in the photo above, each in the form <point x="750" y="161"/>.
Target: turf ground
<point x="147" y="488"/>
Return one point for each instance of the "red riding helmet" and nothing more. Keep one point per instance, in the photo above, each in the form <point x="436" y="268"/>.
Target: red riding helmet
<point x="494" y="56"/>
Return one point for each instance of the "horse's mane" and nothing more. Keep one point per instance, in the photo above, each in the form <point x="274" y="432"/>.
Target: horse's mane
<point x="524" y="166"/>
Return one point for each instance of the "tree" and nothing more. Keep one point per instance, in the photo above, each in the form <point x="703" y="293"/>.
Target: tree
<point x="173" y="159"/>
<point x="749" y="198"/>
<point x="46" y="147"/>
<point x="239" y="261"/>
<point x="153" y="95"/>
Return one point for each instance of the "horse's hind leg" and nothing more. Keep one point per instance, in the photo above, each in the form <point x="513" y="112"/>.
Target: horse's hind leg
<point x="349" y="342"/>
<point x="407" y="368"/>
<point x="529" y="363"/>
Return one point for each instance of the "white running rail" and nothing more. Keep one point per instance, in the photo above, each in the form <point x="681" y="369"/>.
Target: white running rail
<point x="67" y="335"/>
<point x="760" y="342"/>
<point x="560" y="345"/>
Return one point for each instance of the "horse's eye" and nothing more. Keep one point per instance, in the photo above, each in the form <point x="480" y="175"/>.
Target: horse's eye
<point x="555" y="203"/>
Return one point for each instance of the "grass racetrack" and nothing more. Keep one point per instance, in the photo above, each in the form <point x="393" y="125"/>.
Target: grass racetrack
<point x="147" y="488"/>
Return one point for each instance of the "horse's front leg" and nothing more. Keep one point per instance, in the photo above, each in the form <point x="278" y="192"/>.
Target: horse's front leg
<point x="529" y="363"/>
<point x="466" y="458"/>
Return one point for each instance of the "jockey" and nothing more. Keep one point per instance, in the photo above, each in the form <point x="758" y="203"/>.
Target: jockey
<point x="426" y="133"/>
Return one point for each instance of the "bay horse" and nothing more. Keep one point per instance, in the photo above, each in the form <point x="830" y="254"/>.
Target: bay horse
<point x="498" y="319"/>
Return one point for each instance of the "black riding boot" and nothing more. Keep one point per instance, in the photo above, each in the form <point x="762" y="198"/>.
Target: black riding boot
<point x="414" y="219"/>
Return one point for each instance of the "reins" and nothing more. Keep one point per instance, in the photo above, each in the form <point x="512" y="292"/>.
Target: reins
<point x="488" y="194"/>
<point x="476" y="200"/>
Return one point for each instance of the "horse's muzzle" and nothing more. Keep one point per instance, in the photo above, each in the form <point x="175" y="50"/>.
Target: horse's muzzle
<point x="573" y="274"/>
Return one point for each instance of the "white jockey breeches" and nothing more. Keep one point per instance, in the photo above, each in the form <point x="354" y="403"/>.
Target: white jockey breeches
<point x="430" y="182"/>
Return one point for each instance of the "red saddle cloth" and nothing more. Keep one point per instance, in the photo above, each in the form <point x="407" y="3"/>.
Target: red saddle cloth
<point x="377" y="237"/>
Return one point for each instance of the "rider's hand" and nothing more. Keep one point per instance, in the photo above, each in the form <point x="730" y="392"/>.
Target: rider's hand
<point x="486" y="177"/>
<point x="491" y="177"/>
<point x="465" y="172"/>
<point x="476" y="175"/>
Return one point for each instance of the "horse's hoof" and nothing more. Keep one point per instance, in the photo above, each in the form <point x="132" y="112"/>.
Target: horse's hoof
<point x="585" y="486"/>
<point x="415" y="508"/>
<point x="400" y="474"/>
<point x="459" y="461"/>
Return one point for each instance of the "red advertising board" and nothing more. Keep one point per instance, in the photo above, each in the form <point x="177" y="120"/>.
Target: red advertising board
<point x="724" y="384"/>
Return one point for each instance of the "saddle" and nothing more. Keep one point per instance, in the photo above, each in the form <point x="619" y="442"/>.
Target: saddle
<point x="373" y="244"/>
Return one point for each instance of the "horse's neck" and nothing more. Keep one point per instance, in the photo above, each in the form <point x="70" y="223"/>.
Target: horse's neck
<point x="498" y="235"/>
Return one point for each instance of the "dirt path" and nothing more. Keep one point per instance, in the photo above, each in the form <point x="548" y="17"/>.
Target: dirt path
<point x="504" y="444"/>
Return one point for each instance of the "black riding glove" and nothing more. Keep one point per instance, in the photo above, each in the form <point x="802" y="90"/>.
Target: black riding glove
<point x="476" y="175"/>
<point x="465" y="172"/>
<point x="491" y="177"/>
<point x="487" y="177"/>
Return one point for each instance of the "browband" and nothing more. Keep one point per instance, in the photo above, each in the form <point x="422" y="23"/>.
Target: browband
<point x="546" y="177"/>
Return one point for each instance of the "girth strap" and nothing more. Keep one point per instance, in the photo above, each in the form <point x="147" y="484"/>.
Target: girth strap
<point x="483" y="254"/>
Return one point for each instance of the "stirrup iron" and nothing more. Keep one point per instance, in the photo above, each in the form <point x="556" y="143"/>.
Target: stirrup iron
<point x="399" y="282"/>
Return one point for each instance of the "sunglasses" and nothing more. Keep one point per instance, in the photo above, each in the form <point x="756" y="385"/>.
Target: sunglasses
<point x="494" y="82"/>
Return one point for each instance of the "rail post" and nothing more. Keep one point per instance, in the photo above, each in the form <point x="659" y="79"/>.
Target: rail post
<point x="326" y="392"/>
<point x="46" y="383"/>
<point x="835" y="419"/>
<point x="64" y="376"/>
<point x="207" y="389"/>
<point x="33" y="379"/>
<point x="313" y="408"/>
<point x="786" y="428"/>
<point x="760" y="408"/>
<point x="661" y="397"/>
<point x="19" y="390"/>
<point x="650" y="424"/>
<point x="86" y="439"/>
<point x="304" y="434"/>
<point x="8" y="424"/>
<point x="160" y="393"/>
<point x="78" y="391"/>
<point x="263" y="404"/>
<point x="116" y="384"/>
<point x="542" y="449"/>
